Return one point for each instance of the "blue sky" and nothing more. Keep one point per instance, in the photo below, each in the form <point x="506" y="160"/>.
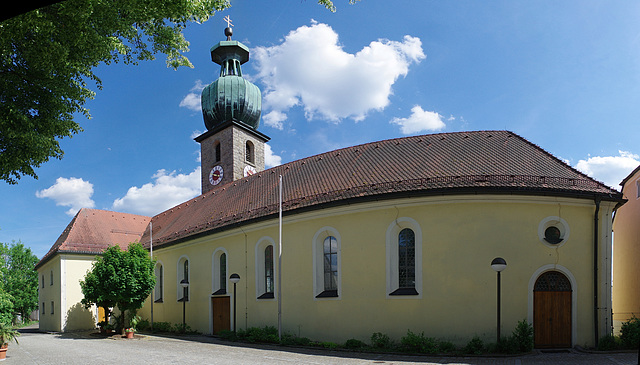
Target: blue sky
<point x="564" y="75"/>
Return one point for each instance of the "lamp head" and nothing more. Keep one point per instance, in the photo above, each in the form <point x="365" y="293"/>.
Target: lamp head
<point x="184" y="283"/>
<point x="234" y="278"/>
<point x="498" y="264"/>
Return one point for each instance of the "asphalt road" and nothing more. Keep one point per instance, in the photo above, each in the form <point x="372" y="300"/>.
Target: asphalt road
<point x="89" y="348"/>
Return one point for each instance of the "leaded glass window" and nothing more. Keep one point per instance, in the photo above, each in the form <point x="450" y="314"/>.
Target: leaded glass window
<point x="268" y="269"/>
<point x="223" y="272"/>
<point x="407" y="258"/>
<point x="330" y="250"/>
<point x="185" y="276"/>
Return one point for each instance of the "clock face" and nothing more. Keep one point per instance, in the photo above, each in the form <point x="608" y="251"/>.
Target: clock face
<point x="216" y="174"/>
<point x="249" y="170"/>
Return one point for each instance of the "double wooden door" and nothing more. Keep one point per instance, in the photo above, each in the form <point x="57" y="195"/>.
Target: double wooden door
<point x="552" y="311"/>
<point x="221" y="314"/>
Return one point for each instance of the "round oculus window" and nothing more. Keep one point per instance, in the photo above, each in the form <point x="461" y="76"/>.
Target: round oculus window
<point x="552" y="235"/>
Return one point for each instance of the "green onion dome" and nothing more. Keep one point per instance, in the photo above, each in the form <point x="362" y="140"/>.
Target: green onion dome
<point x="231" y="97"/>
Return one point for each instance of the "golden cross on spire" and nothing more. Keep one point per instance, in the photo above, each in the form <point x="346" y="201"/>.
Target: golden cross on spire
<point x="228" y="20"/>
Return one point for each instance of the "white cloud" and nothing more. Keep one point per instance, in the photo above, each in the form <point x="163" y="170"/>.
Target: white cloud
<point x="310" y="69"/>
<point x="419" y="121"/>
<point x="274" y="119"/>
<point x="72" y="192"/>
<point x="167" y="190"/>
<point x="271" y="160"/>
<point x="611" y="170"/>
<point x="192" y="100"/>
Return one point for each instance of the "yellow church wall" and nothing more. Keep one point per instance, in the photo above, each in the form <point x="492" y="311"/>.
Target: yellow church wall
<point x="457" y="300"/>
<point x="50" y="293"/>
<point x="75" y="316"/>
<point x="626" y="249"/>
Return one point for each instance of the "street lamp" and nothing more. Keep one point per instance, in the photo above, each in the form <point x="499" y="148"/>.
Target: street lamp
<point x="234" y="278"/>
<point x="498" y="264"/>
<point x="184" y="283"/>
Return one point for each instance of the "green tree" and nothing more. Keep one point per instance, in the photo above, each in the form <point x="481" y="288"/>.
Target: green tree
<point x="19" y="277"/>
<point x="47" y="57"/>
<point x="120" y="278"/>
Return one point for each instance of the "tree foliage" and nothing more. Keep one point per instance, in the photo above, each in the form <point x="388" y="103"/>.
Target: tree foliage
<point x="47" y="58"/>
<point x="19" y="278"/>
<point x="120" y="278"/>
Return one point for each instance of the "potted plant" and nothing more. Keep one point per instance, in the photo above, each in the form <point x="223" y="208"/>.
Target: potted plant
<point x="133" y="323"/>
<point x="7" y="334"/>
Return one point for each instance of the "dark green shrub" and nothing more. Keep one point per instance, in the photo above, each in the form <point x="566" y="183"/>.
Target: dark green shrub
<point x="380" y="340"/>
<point x="474" y="346"/>
<point x="143" y="325"/>
<point x="329" y="345"/>
<point x="446" y="347"/>
<point x="413" y="342"/>
<point x="630" y="333"/>
<point x="353" y="343"/>
<point x="608" y="343"/>
<point x="162" y="327"/>
<point x="228" y="335"/>
<point x="291" y="340"/>
<point x="522" y="337"/>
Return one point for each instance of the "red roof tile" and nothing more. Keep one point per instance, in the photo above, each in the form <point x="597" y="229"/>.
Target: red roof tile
<point x="91" y="231"/>
<point x="483" y="161"/>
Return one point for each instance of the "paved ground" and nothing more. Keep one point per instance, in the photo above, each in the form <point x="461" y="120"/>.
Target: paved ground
<point x="87" y="348"/>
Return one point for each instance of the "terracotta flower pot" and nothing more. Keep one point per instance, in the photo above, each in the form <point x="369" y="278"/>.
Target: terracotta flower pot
<point x="129" y="334"/>
<point x="3" y="351"/>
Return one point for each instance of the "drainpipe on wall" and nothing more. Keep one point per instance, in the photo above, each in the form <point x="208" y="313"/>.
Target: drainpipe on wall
<point x="595" y="269"/>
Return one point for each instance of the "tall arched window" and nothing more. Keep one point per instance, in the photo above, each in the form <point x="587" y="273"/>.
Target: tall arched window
<point x="407" y="259"/>
<point x="250" y="152"/>
<point x="330" y="253"/>
<point x="268" y="269"/>
<point x="182" y="272"/>
<point x="326" y="263"/>
<point x="264" y="267"/>
<point x="159" y="288"/>
<point x="219" y="272"/>
<point x="404" y="258"/>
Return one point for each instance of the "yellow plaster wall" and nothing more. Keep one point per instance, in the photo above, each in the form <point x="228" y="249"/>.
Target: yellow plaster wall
<point x="75" y="316"/>
<point x="48" y="321"/>
<point x="626" y="256"/>
<point x="461" y="235"/>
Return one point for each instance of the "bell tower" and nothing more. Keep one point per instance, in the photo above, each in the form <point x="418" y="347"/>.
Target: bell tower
<point x="232" y="147"/>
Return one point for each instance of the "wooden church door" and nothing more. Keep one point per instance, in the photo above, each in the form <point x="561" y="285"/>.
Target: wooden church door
<point x="221" y="313"/>
<point x="552" y="311"/>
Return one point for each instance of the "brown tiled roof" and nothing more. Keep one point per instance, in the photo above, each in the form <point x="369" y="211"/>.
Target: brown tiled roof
<point x="447" y="163"/>
<point x="91" y="231"/>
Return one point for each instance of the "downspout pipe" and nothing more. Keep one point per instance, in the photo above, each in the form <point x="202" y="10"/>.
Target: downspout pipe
<point x="597" y="200"/>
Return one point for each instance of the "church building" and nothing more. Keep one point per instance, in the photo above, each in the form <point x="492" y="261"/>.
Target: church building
<point x="387" y="236"/>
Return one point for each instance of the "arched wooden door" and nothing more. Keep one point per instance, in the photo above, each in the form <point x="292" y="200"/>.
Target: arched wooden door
<point x="552" y="311"/>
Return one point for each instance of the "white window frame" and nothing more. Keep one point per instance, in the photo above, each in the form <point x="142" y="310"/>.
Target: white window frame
<point x="158" y="291"/>
<point x="215" y="271"/>
<point x="392" y="267"/>
<point x="180" y="277"/>
<point x="553" y="221"/>
<point x="318" y="261"/>
<point x="261" y="245"/>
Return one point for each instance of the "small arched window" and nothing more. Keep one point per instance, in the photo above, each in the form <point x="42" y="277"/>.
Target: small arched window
<point x="182" y="271"/>
<point x="159" y="289"/>
<point x="250" y="152"/>
<point x="217" y="152"/>
<point x="268" y="269"/>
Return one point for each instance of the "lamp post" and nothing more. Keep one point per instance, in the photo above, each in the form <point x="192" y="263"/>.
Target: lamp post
<point x="498" y="264"/>
<point x="234" y="278"/>
<point x="184" y="283"/>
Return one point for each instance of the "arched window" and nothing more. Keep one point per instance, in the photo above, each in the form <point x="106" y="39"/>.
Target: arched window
<point x="406" y="259"/>
<point x="268" y="269"/>
<point x="217" y="152"/>
<point x="264" y="265"/>
<point x="219" y="272"/>
<point x="250" y="152"/>
<point x="326" y="263"/>
<point x="183" y="274"/>
<point x="159" y="288"/>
